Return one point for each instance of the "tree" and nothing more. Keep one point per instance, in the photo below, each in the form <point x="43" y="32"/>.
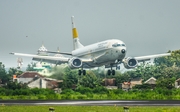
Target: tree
<point x="58" y="72"/>
<point x="14" y="71"/>
<point x="31" y="66"/>
<point x="169" y="61"/>
<point x="15" y="85"/>
<point x="70" y="78"/>
<point x="125" y="77"/>
<point x="4" y="78"/>
<point x="89" y="80"/>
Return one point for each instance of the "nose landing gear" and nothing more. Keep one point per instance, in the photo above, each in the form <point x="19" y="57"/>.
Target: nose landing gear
<point x="111" y="71"/>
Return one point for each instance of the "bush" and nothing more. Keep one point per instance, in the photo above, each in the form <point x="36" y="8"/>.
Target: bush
<point x="67" y="91"/>
<point x="42" y="97"/>
<point x="84" y="90"/>
<point x="100" y="90"/>
<point x="81" y="97"/>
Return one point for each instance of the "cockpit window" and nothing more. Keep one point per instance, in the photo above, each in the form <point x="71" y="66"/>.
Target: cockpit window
<point x="123" y="44"/>
<point x="117" y="45"/>
<point x="114" y="45"/>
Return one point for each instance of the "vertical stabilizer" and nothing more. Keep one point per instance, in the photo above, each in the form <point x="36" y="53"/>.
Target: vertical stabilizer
<point x="76" y="42"/>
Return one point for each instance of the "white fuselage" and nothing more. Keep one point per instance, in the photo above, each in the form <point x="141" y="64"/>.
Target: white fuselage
<point x="102" y="53"/>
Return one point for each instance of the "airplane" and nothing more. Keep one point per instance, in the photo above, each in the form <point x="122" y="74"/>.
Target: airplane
<point x="109" y="53"/>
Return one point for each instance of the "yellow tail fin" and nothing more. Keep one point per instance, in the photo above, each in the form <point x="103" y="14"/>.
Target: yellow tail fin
<point x="76" y="42"/>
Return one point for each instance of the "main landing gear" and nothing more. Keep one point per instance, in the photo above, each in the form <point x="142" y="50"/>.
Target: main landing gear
<point x="82" y="72"/>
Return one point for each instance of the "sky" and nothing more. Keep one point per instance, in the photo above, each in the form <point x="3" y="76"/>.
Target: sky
<point x="146" y="26"/>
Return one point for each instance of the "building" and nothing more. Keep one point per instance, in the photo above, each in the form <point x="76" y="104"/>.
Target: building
<point x="28" y="76"/>
<point x="126" y="85"/>
<point x="177" y="83"/>
<point x="136" y="81"/>
<point x="35" y="80"/>
<point x="151" y="81"/>
<point x="43" y="68"/>
<point x="37" y="83"/>
<point x="42" y="51"/>
<point x="109" y="82"/>
<point x="131" y="84"/>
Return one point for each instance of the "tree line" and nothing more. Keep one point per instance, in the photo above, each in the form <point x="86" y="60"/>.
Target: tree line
<point x="165" y="69"/>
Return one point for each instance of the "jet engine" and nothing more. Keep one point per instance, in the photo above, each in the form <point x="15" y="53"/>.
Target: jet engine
<point x="130" y="63"/>
<point x="74" y="63"/>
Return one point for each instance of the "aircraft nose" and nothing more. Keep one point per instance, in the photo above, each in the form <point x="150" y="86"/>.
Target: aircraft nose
<point x="123" y="51"/>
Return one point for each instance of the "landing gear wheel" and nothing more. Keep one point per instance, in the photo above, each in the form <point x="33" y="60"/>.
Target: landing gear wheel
<point x="84" y="72"/>
<point x="109" y="72"/>
<point x="113" y="72"/>
<point x="79" y="72"/>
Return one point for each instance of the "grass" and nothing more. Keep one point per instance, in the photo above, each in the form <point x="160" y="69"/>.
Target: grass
<point x="25" y="108"/>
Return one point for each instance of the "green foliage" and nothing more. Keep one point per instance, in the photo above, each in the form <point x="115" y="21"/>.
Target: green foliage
<point x="70" y="78"/>
<point x="100" y="90"/>
<point x="7" y="77"/>
<point x="169" y="61"/>
<point x="58" y="72"/>
<point x="14" y="71"/>
<point x="31" y="66"/>
<point x="156" y="94"/>
<point x="4" y="78"/>
<point x="67" y="91"/>
<point x="120" y="78"/>
<point x="143" y="86"/>
<point x="15" y="85"/>
<point x="166" y="83"/>
<point x="166" y="70"/>
<point x="15" y="89"/>
<point x="84" y="90"/>
<point x="44" y="108"/>
<point x="89" y="80"/>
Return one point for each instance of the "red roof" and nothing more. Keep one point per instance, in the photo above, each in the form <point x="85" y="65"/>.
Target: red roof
<point x="126" y="83"/>
<point x="30" y="74"/>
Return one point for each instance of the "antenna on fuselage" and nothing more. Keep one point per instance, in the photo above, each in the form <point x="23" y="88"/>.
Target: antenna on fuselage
<point x="76" y="42"/>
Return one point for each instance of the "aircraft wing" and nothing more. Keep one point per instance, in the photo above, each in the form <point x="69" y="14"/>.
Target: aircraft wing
<point x="64" y="53"/>
<point x="148" y="57"/>
<point x="53" y="58"/>
<point x="49" y="59"/>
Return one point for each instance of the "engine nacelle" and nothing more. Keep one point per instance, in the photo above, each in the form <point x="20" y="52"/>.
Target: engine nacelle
<point x="74" y="63"/>
<point x="130" y="63"/>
